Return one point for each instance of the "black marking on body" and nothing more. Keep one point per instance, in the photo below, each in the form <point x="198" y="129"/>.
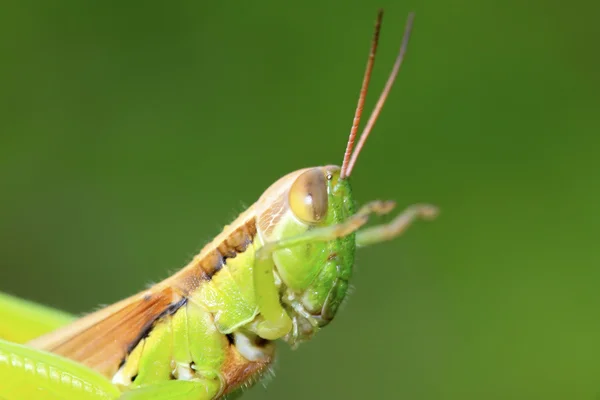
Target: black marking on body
<point x="222" y="260"/>
<point x="230" y="338"/>
<point x="260" y="342"/>
<point x="145" y="332"/>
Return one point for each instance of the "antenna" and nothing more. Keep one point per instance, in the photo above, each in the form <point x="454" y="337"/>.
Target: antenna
<point x="362" y="96"/>
<point x="382" y="98"/>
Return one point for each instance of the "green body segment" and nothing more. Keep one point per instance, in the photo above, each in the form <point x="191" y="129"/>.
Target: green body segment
<point x="180" y="347"/>
<point x="229" y="295"/>
<point x="32" y="374"/>
<point x="27" y="373"/>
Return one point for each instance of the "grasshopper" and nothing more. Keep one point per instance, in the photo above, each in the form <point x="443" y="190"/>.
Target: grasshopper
<point x="278" y="271"/>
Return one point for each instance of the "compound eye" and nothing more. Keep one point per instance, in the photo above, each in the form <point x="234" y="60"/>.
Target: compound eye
<point x="308" y="196"/>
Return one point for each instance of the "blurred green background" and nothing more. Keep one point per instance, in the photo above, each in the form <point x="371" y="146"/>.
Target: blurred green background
<point x="130" y="133"/>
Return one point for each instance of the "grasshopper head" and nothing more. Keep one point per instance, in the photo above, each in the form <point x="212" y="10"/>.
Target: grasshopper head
<point x="313" y="275"/>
